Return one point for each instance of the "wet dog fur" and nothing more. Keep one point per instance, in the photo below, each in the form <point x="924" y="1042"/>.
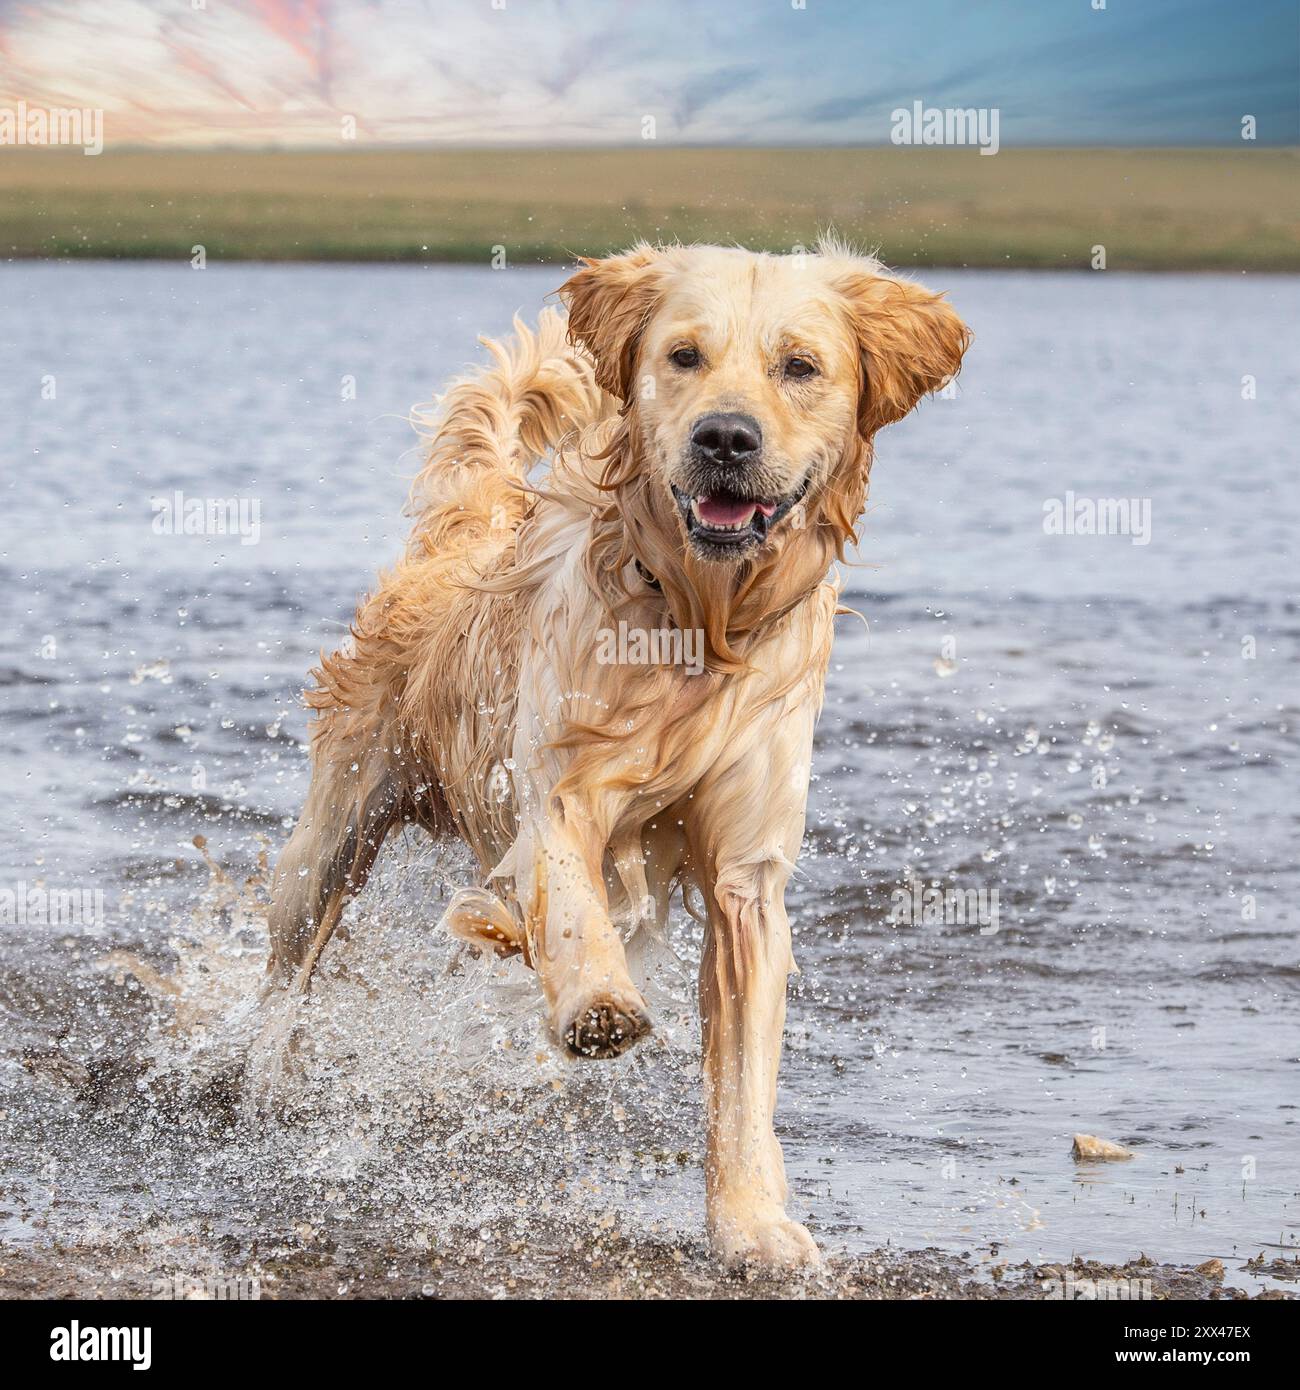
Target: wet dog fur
<point x="689" y="450"/>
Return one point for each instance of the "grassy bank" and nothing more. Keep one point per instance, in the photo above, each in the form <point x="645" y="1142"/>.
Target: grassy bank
<point x="1151" y="209"/>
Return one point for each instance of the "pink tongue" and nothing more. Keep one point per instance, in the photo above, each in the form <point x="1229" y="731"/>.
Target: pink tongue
<point x="721" y="511"/>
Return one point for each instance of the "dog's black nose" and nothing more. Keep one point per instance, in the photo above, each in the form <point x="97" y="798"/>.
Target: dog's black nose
<point x="727" y="438"/>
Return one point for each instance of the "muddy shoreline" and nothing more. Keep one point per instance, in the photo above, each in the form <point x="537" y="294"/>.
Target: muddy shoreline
<point x="616" y="1269"/>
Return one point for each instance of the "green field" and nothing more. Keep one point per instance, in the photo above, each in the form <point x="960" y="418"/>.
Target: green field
<point x="1151" y="209"/>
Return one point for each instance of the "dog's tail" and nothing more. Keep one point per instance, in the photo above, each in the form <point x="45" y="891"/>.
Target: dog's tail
<point x="489" y="428"/>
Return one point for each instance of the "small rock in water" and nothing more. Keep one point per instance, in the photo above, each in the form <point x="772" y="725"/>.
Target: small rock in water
<point x="1089" y="1146"/>
<point x="1212" y="1269"/>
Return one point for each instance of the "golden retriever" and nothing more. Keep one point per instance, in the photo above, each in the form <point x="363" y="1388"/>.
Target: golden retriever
<point x="686" y="458"/>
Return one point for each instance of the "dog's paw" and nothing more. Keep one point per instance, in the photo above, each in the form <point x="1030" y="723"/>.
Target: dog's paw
<point x="607" y="1027"/>
<point x="766" y="1240"/>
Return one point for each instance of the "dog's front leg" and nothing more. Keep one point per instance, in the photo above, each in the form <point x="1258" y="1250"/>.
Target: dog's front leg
<point x="748" y="827"/>
<point x="595" y="1010"/>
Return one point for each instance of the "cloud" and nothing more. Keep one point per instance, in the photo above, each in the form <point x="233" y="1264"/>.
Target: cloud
<point x="701" y="91"/>
<point x="444" y="71"/>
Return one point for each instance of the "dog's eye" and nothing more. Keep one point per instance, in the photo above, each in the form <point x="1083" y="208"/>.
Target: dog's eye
<point x="800" y="368"/>
<point x="686" y="357"/>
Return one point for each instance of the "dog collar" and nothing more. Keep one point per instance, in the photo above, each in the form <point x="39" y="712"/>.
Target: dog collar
<point x="651" y="581"/>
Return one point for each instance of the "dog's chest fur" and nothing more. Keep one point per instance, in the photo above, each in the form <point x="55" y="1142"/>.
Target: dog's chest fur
<point x="530" y="706"/>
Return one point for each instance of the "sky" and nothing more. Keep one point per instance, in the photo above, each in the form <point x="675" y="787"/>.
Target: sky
<point x="755" y="72"/>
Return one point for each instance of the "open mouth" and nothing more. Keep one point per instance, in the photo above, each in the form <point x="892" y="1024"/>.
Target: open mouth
<point x="727" y="521"/>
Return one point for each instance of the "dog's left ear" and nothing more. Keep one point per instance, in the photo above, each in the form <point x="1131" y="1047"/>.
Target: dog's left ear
<point x="911" y="343"/>
<point x="610" y="302"/>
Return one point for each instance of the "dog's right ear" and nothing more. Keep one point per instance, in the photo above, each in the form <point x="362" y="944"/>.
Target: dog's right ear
<point x="610" y="301"/>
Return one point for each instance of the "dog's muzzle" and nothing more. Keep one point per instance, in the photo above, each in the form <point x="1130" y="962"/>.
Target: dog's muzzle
<point x="724" y="506"/>
<point x="723" y="519"/>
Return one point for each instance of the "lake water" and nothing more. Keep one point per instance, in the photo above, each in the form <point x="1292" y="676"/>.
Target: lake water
<point x="1099" y="731"/>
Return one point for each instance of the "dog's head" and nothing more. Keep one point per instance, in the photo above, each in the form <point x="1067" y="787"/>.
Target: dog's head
<point x="752" y="384"/>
